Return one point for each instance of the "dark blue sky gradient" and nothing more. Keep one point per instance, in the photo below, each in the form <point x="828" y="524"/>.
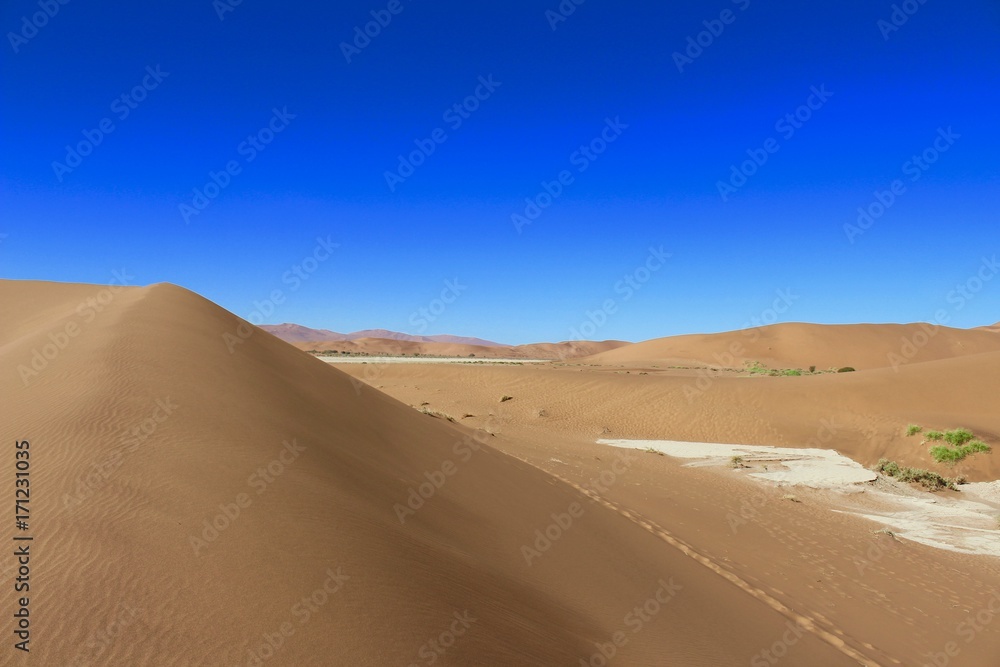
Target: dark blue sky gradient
<point x="655" y="184"/>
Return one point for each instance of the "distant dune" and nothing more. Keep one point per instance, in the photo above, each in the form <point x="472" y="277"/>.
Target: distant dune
<point x="294" y="333"/>
<point x="796" y="345"/>
<point x="215" y="496"/>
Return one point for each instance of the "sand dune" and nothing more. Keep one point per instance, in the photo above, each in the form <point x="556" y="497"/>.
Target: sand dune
<point x="208" y="495"/>
<point x="796" y="345"/>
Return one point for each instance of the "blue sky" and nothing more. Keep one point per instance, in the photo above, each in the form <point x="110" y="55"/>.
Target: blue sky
<point x="240" y="134"/>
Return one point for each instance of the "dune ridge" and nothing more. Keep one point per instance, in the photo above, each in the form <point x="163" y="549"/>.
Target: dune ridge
<point x="799" y="345"/>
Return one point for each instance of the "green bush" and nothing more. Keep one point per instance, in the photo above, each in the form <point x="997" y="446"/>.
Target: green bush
<point x="913" y="429"/>
<point x="946" y="454"/>
<point x="845" y="369"/>
<point x="958" y="436"/>
<point x="934" y="435"/>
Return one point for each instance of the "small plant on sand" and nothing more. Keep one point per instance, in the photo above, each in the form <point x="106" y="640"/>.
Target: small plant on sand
<point x="756" y="368"/>
<point x="789" y="497"/>
<point x="791" y="371"/>
<point x="812" y="369"/>
<point x="505" y="398"/>
<point x="845" y="369"/>
<point x="884" y="531"/>
<point x="934" y="435"/>
<point x="913" y="429"/>
<point x="737" y="462"/>
<point x="653" y="450"/>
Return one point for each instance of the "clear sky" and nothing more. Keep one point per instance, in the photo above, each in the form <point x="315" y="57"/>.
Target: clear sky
<point x="211" y="145"/>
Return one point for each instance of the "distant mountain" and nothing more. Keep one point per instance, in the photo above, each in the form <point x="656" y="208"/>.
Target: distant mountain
<point x="295" y="333"/>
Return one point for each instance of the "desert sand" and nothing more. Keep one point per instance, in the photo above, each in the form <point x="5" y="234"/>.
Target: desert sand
<point x="207" y="494"/>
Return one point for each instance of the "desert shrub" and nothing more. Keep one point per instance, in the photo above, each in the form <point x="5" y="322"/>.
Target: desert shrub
<point x="845" y="369"/>
<point x="756" y="368"/>
<point x="946" y="454"/>
<point x="736" y="462"/>
<point x="791" y="371"/>
<point x="934" y="435"/>
<point x="913" y="429"/>
<point x="929" y="480"/>
<point x="505" y="398"/>
<point x="812" y="369"/>
<point x="958" y="436"/>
